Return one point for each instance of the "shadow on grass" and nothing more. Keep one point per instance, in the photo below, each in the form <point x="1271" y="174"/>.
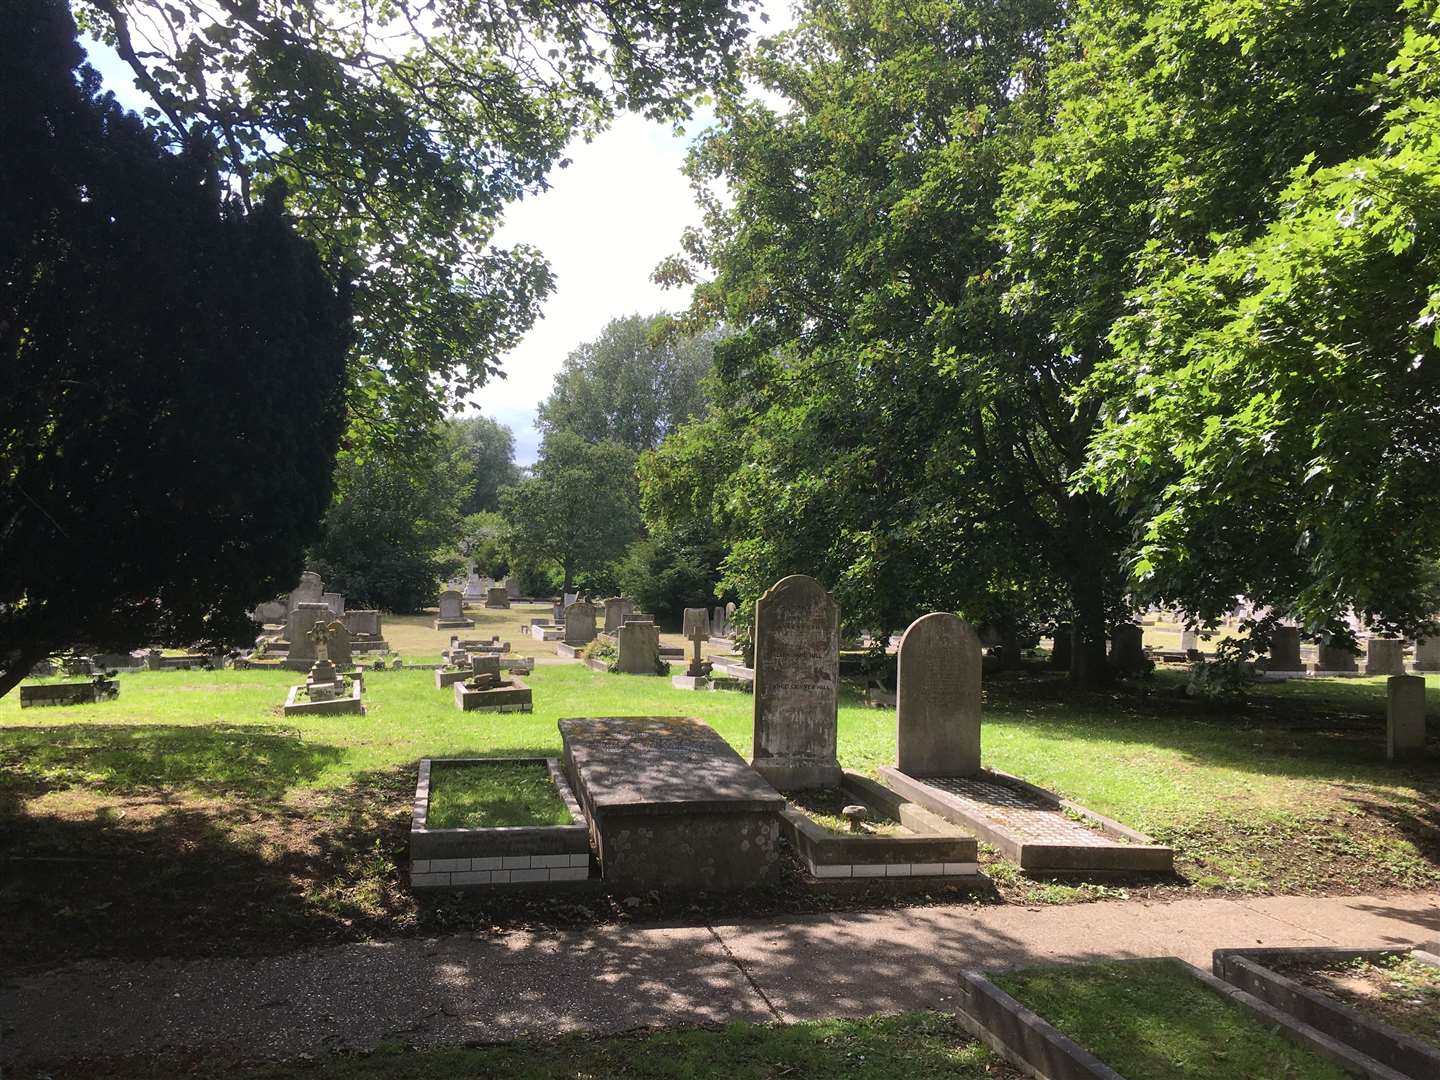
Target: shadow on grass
<point x="255" y="761"/>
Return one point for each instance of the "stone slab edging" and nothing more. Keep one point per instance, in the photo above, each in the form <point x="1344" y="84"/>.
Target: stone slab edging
<point x="1034" y="1045"/>
<point x="1389" y="1046"/>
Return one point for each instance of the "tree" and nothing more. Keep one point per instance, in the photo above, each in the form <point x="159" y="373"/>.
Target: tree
<point x="882" y="420"/>
<point x="488" y="449"/>
<point x="174" y="374"/>
<point x="577" y="509"/>
<point x="401" y="131"/>
<point x="389" y="535"/>
<point x="1233" y="221"/>
<point x="634" y="384"/>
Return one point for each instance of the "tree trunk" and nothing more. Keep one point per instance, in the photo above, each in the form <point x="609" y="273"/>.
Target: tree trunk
<point x="18" y="665"/>
<point x="1089" y="666"/>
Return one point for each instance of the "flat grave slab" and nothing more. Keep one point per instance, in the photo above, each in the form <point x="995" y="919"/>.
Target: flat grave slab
<point x="1031" y="826"/>
<point x="671" y="805"/>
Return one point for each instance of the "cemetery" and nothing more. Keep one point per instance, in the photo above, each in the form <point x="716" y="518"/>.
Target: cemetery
<point x="982" y="623"/>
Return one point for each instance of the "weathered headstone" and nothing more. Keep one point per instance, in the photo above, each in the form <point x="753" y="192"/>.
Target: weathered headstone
<point x="336" y="601"/>
<point x="1385" y="656"/>
<point x="339" y="646"/>
<point x="617" y="612"/>
<point x="797" y="677"/>
<point x="1285" y="650"/>
<point x="497" y="597"/>
<point x="638" y="644"/>
<point x="270" y="612"/>
<point x="696" y="630"/>
<point x="1335" y="658"/>
<point x="1189" y="641"/>
<point x="512" y="587"/>
<point x="299" y="625"/>
<point x="310" y="590"/>
<point x="487" y="664"/>
<point x="1127" y="648"/>
<point x="1405" y="718"/>
<point x="363" y="623"/>
<point x="569" y="598"/>
<point x="938" y="697"/>
<point x="1427" y="654"/>
<point x="579" y="623"/>
<point x="450" y="604"/>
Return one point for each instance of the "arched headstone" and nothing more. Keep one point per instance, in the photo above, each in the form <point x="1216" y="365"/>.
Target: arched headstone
<point x="938" y="697"/>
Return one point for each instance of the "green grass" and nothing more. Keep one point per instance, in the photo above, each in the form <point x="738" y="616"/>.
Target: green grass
<point x="1152" y="1020"/>
<point x="493" y="796"/>
<point x="823" y="806"/>
<point x="915" y="1046"/>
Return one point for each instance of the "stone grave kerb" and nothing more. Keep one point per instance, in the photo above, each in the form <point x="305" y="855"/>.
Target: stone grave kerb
<point x="937" y="708"/>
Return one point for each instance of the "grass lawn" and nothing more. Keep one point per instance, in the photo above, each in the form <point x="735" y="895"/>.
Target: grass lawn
<point x="917" y="1045"/>
<point x="494" y="796"/>
<point x="1151" y="1020"/>
<point x="209" y="822"/>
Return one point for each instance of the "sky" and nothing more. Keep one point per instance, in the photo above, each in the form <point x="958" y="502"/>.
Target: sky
<point x="604" y="224"/>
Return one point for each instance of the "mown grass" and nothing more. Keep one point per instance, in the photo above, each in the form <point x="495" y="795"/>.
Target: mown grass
<point x="494" y="796"/>
<point x="1152" y="1020"/>
<point x="916" y="1045"/>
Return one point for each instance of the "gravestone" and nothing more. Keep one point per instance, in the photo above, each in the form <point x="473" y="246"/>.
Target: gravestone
<point x="937" y="693"/>
<point x="1385" y="656"/>
<point x="512" y="587"/>
<point x="1127" y="648"/>
<point x="1427" y="654"/>
<point x="1060" y="650"/>
<point x="797" y="677"/>
<point x="1189" y="641"/>
<point x="1285" y="650"/>
<point x="568" y="598"/>
<point x="671" y="807"/>
<point x="339" y="646"/>
<point x="638" y="644"/>
<point x="298" y="627"/>
<point x="696" y="629"/>
<point x="475" y="589"/>
<point x="336" y="601"/>
<point x="617" y="612"/>
<point x="310" y="591"/>
<point x="485" y="664"/>
<point x="497" y="597"/>
<point x="717" y="623"/>
<point x="1335" y="658"/>
<point x="363" y="623"/>
<point x="452" y="611"/>
<point x="579" y="623"/>
<point x="1405" y="718"/>
<point x="270" y="612"/>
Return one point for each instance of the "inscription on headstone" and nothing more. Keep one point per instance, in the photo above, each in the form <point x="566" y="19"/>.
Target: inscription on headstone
<point x="797" y="675"/>
<point x="938" y="698"/>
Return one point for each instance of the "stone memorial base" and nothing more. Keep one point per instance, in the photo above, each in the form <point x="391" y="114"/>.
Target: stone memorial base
<point x="672" y="807"/>
<point x="345" y="703"/>
<point x="510" y="855"/>
<point x="76" y="693"/>
<point x="564" y="648"/>
<point x="546" y="632"/>
<point x="690" y="682"/>
<point x="453" y="624"/>
<point x="445" y="678"/>
<point x="1033" y="828"/>
<point x="510" y="696"/>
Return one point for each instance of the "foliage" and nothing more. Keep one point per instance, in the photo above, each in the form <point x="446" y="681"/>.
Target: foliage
<point x="174" y="372"/>
<point x="577" y="509"/>
<point x="488" y="447"/>
<point x="883" y="422"/>
<point x="401" y="133"/>
<point x="388" y="537"/>
<point x="633" y="385"/>
<point x="480" y="545"/>
<point x="668" y="571"/>
<point x="1234" y="220"/>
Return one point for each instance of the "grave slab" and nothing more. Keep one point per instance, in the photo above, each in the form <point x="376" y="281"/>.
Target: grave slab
<point x="672" y="807"/>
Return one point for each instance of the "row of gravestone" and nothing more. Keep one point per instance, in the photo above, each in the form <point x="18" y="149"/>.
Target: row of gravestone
<point x="1383" y="656"/>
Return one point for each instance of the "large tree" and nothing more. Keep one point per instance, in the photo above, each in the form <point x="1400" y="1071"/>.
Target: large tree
<point x="486" y="449"/>
<point x="1233" y="223"/>
<point x="401" y="131"/>
<point x="882" y="420"/>
<point x="578" y="508"/>
<point x="174" y="372"/>
<point x="634" y="384"/>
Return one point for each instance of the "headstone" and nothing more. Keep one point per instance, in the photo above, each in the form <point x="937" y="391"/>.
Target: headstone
<point x="497" y="597"/>
<point x="299" y="625"/>
<point x="1427" y="654"/>
<point x="310" y="591"/>
<point x="1405" y="718"/>
<point x="696" y="630"/>
<point x="1285" y="650"/>
<point x="270" y="612"/>
<point x="638" y="644"/>
<point x="1385" y="656"/>
<point x="617" y="612"/>
<point x="1335" y="658"/>
<point x="568" y="599"/>
<point x="485" y="665"/>
<point x="579" y="623"/>
<point x="336" y="601"/>
<point x="475" y="589"/>
<point x="339" y="646"/>
<point x="451" y="603"/>
<point x="1127" y="648"/>
<point x="512" y="587"/>
<point x="1189" y="641"/>
<point x="797" y="678"/>
<point x="363" y="623"/>
<point x="1063" y="644"/>
<point x="717" y="622"/>
<point x="938" y="697"/>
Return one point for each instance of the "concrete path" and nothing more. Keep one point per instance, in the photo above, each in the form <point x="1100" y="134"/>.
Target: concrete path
<point x="487" y="988"/>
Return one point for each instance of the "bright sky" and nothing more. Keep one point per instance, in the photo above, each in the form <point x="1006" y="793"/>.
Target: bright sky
<point x="605" y="223"/>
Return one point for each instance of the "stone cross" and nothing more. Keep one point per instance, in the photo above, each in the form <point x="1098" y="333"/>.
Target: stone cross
<point x="696" y="630"/>
<point x="321" y="633"/>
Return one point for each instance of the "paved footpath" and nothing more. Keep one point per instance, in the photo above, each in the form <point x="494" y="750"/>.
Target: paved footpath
<point x="487" y="988"/>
